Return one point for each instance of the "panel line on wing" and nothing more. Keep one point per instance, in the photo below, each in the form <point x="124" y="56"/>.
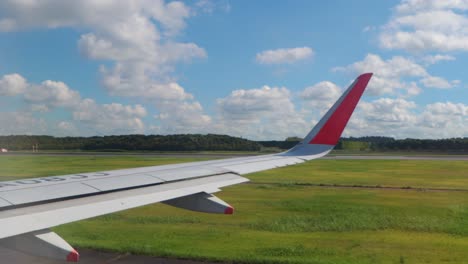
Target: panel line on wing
<point x="6" y="202"/>
<point x="84" y="183"/>
<point x="99" y="192"/>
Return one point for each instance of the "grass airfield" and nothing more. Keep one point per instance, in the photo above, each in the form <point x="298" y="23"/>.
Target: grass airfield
<point x="323" y="211"/>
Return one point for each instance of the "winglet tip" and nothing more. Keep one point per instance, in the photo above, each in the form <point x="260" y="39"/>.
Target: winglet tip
<point x="74" y="256"/>
<point x="366" y="75"/>
<point x="229" y="210"/>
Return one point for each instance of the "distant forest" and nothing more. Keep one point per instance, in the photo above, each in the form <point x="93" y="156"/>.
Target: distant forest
<point x="375" y="143"/>
<point x="191" y="142"/>
<point x="212" y="142"/>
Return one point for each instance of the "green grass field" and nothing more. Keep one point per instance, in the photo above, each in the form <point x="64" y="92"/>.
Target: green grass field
<point x="278" y="219"/>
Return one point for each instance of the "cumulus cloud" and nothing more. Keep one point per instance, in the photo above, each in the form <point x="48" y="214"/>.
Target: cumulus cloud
<point x="448" y="108"/>
<point x="436" y="82"/>
<point x="401" y="118"/>
<point x="110" y="118"/>
<point x="442" y="120"/>
<point x="266" y="112"/>
<point x="185" y="116"/>
<point x="22" y="123"/>
<point x="321" y="96"/>
<point x="12" y="84"/>
<point x="65" y="126"/>
<point x="409" y="6"/>
<point x="42" y="97"/>
<point x="427" y="26"/>
<point x="51" y="94"/>
<point x="387" y="110"/>
<point x="397" y="75"/>
<point x="209" y="6"/>
<point x="137" y="39"/>
<point x="282" y="56"/>
<point x="382" y="117"/>
<point x="19" y="15"/>
<point x="433" y="59"/>
<point x="88" y="117"/>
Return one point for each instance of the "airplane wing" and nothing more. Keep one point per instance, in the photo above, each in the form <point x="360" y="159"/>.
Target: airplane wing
<point x="29" y="207"/>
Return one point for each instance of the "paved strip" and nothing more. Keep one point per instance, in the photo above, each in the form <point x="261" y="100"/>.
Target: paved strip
<point x="235" y="155"/>
<point x="125" y="154"/>
<point x="89" y="256"/>
<point x="388" y="157"/>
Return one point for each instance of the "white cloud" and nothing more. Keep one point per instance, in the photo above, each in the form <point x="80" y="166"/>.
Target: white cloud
<point x="21" y="123"/>
<point x="281" y="56"/>
<point x="266" y="112"/>
<point x="42" y="97"/>
<point x="368" y="28"/>
<point x="138" y="39"/>
<point x="12" y="84"/>
<point x="388" y="110"/>
<point x="209" y="6"/>
<point x="110" y="118"/>
<point x="430" y="25"/>
<point x="433" y="59"/>
<point x="51" y="94"/>
<point x="397" y="75"/>
<point x="436" y="82"/>
<point x="321" y="96"/>
<point x="382" y="117"/>
<point x="19" y="15"/>
<point x="443" y="120"/>
<point x="401" y="119"/>
<point x="448" y="108"/>
<point x="409" y="6"/>
<point x="185" y="117"/>
<point x="89" y="117"/>
<point x="263" y="113"/>
<point x="68" y="127"/>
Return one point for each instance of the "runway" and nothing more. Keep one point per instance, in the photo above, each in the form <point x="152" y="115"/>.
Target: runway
<point x="234" y="155"/>
<point x="88" y="256"/>
<point x="390" y="157"/>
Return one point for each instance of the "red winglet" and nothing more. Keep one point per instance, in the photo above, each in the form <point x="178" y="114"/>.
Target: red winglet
<point x="74" y="256"/>
<point x="229" y="210"/>
<point x="331" y="131"/>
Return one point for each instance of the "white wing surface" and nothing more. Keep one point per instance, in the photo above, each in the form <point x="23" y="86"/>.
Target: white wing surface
<point x="29" y="207"/>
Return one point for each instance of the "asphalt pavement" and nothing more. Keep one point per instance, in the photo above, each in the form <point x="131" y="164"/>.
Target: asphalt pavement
<point x="88" y="256"/>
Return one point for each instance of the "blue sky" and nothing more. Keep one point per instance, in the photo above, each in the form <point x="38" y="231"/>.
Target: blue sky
<point x="256" y="69"/>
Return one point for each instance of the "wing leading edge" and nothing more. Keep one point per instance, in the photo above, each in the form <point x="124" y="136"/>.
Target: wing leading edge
<point x="29" y="207"/>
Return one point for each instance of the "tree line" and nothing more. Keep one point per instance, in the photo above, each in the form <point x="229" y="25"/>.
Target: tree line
<point x="376" y="143"/>
<point x="214" y="142"/>
<point x="189" y="142"/>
